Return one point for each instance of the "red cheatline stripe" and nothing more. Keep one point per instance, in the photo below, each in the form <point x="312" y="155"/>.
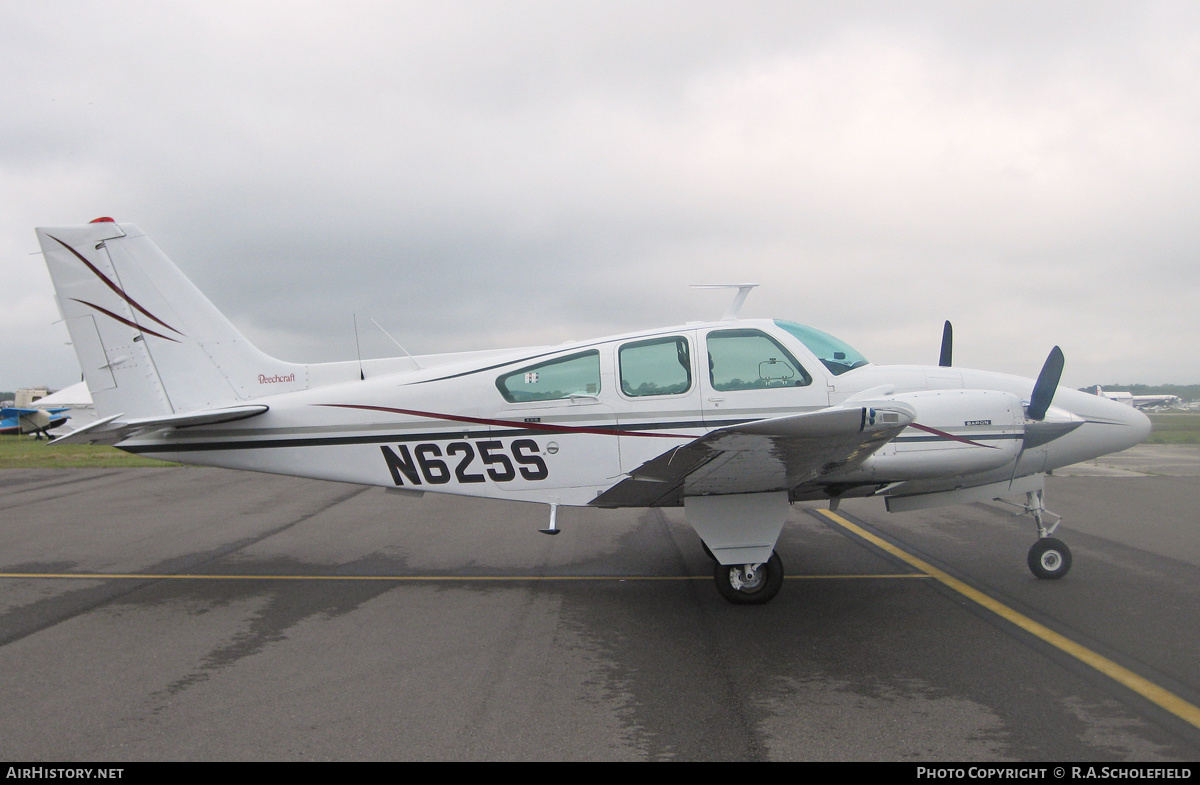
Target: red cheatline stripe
<point x="123" y="320"/>
<point x="945" y="435"/>
<point x="533" y="426"/>
<point x="120" y="292"/>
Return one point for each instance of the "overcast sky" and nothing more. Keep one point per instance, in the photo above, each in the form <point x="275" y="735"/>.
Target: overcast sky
<point x="489" y="174"/>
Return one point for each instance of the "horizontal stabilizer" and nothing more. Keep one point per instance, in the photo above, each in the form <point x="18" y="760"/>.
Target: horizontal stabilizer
<point x="114" y="429"/>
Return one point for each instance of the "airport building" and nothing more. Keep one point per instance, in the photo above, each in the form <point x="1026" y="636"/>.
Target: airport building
<point x="25" y="398"/>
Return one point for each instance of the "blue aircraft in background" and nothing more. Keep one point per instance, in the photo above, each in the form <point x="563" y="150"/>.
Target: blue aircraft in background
<point x="35" y="421"/>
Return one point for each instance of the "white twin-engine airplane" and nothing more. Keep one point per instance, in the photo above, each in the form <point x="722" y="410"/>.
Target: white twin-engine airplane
<point x="732" y="420"/>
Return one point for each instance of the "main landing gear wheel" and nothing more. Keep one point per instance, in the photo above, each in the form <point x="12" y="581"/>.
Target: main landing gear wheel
<point x="750" y="584"/>
<point x="1050" y="558"/>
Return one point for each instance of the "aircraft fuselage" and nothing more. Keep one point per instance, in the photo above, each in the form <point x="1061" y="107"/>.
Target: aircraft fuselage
<point x="450" y="428"/>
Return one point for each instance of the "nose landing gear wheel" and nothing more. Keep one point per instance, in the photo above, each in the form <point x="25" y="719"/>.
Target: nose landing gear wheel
<point x="1049" y="558"/>
<point x="750" y="584"/>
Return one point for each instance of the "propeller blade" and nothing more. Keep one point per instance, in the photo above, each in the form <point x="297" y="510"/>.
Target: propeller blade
<point x="1047" y="383"/>
<point x="947" y="345"/>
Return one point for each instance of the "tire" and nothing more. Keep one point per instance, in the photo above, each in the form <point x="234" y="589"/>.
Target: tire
<point x="768" y="581"/>
<point x="1049" y="558"/>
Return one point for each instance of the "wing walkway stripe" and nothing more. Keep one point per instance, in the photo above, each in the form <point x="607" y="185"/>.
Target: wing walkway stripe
<point x="1142" y="686"/>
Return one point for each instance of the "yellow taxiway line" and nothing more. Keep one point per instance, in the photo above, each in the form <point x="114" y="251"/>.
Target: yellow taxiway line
<point x="1147" y="689"/>
<point x="1144" y="687"/>
<point x="101" y="576"/>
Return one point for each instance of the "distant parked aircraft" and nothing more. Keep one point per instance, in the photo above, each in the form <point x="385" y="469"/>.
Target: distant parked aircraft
<point x="1137" y="401"/>
<point x="78" y="399"/>
<point x="22" y="420"/>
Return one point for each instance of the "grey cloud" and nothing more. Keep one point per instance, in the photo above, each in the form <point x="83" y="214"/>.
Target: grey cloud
<point x="475" y="174"/>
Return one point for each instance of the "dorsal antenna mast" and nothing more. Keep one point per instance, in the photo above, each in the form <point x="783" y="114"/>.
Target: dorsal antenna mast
<point x="735" y="307"/>
<point x="393" y="340"/>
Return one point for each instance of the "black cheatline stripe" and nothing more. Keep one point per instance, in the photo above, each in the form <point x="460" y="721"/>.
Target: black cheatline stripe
<point x="945" y="435"/>
<point x="333" y="441"/>
<point x="322" y="441"/>
<point x="425" y="436"/>
<point x="533" y="425"/>
<point x="984" y="438"/>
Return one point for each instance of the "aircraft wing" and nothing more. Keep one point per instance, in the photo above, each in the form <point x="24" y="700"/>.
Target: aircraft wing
<point x="12" y="411"/>
<point x="775" y="454"/>
<point x="114" y="429"/>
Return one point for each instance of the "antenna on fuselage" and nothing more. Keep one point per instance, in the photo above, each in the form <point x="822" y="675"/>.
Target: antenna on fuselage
<point x="735" y="307"/>
<point x="393" y="340"/>
<point x="358" y="349"/>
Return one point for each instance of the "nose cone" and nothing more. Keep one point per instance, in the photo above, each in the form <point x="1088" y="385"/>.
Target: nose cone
<point x="1107" y="427"/>
<point x="1136" y="423"/>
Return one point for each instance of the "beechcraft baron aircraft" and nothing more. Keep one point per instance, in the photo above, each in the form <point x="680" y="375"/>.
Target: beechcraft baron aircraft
<point x="732" y="420"/>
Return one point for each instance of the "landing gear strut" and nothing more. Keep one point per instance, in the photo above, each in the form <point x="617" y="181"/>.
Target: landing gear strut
<point x="750" y="584"/>
<point x="1049" y="558"/>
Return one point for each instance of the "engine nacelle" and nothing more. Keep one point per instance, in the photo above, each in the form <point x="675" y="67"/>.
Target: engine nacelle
<point x="955" y="433"/>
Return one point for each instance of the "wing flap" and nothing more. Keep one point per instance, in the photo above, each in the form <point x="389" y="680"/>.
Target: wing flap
<point x="775" y="454"/>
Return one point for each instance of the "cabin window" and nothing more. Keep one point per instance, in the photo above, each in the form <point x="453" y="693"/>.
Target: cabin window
<point x="835" y="354"/>
<point x="751" y="360"/>
<point x="660" y="366"/>
<point x="562" y="377"/>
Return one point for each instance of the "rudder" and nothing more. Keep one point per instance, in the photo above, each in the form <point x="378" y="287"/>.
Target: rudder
<point x="148" y="341"/>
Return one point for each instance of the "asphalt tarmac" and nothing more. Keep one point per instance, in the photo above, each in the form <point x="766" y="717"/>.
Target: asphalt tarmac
<point x="202" y="614"/>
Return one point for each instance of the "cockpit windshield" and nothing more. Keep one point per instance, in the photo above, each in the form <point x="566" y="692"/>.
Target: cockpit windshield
<point x="835" y="354"/>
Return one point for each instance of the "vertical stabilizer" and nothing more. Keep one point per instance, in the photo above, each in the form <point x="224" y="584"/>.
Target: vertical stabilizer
<point x="148" y="341"/>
